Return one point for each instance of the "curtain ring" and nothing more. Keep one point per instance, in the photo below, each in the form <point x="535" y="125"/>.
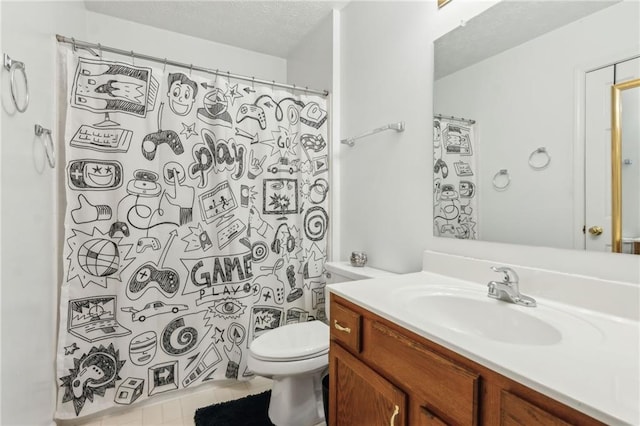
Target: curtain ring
<point x="504" y="185"/>
<point x="544" y="164"/>
<point x="164" y="68"/>
<point x="48" y="144"/>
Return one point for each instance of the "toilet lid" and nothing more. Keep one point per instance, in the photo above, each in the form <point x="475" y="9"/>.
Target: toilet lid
<point x="292" y="342"/>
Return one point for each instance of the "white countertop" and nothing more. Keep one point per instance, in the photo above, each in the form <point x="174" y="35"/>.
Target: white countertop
<point x="594" y="368"/>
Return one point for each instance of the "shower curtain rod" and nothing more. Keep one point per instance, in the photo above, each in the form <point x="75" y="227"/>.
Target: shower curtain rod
<point x="451" y="117"/>
<point x="90" y="47"/>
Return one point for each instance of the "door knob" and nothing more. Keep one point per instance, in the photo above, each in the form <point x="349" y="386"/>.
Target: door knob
<point x="595" y="230"/>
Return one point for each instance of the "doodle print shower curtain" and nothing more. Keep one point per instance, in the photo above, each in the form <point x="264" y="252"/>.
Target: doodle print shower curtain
<point x="196" y="221"/>
<point x="454" y="184"/>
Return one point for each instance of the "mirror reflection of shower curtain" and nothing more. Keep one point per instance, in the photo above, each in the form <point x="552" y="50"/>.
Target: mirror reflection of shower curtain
<point x="454" y="180"/>
<point x="196" y="221"/>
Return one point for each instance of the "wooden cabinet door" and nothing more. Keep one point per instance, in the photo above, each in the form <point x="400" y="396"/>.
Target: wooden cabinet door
<point x="427" y="418"/>
<point x="515" y="411"/>
<point x="361" y="397"/>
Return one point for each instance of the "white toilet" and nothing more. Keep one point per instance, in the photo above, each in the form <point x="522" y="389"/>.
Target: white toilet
<point x="296" y="357"/>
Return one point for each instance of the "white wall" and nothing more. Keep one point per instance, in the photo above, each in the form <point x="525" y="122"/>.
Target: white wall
<point x="31" y="221"/>
<point x="310" y="63"/>
<point x="387" y="75"/>
<point x="29" y="264"/>
<point x="385" y="197"/>
<point x="116" y="32"/>
<point x="522" y="99"/>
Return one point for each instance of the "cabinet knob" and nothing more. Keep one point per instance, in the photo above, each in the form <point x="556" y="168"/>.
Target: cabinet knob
<point x="341" y="328"/>
<point x="393" y="416"/>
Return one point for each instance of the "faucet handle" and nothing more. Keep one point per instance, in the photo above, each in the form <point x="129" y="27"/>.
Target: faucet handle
<point x="510" y="275"/>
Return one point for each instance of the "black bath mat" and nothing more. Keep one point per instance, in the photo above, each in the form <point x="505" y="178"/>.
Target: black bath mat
<point x="252" y="410"/>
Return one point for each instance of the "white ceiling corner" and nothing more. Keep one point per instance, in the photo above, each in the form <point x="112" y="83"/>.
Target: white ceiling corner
<point x="270" y="27"/>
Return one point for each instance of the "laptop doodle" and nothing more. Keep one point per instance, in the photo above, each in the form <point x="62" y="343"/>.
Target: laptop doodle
<point x="94" y="318"/>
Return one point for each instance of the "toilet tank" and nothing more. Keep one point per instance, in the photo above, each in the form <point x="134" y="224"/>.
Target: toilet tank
<point x="339" y="272"/>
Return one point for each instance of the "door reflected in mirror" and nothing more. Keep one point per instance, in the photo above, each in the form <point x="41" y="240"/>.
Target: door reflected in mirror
<point x="625" y="148"/>
<point x="522" y="125"/>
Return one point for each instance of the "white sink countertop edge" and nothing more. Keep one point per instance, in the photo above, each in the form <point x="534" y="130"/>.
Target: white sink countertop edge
<point x="601" y="380"/>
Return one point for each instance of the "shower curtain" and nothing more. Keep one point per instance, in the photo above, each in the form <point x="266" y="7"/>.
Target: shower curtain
<point x="196" y="221"/>
<point x="454" y="183"/>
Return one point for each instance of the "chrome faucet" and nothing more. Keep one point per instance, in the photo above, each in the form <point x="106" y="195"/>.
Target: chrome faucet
<point x="508" y="289"/>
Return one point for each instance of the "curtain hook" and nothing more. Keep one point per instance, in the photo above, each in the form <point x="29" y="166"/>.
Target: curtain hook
<point x="215" y="82"/>
<point x="133" y="59"/>
<point x="73" y="41"/>
<point x="190" y="69"/>
<point x="253" y="83"/>
<point x="228" y="78"/>
<point x="100" y="50"/>
<point x="306" y="89"/>
<point x="273" y="85"/>
<point x="293" y="92"/>
<point x="164" y="68"/>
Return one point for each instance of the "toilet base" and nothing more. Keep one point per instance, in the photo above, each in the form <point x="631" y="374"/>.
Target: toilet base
<point x="296" y="400"/>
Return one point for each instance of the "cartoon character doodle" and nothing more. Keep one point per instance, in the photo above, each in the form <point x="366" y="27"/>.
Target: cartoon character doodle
<point x="182" y="93"/>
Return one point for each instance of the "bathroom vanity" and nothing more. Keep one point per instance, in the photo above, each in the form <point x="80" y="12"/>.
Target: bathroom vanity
<point x="397" y="359"/>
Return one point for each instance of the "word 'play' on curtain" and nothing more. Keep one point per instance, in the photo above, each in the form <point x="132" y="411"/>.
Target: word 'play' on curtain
<point x="196" y="221"/>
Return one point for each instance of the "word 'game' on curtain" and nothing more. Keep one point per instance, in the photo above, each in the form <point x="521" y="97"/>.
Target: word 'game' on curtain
<point x="196" y="221"/>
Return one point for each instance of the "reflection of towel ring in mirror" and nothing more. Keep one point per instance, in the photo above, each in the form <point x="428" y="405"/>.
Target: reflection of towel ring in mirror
<point x="506" y="180"/>
<point x="48" y="144"/>
<point x="547" y="159"/>
<point x="13" y="66"/>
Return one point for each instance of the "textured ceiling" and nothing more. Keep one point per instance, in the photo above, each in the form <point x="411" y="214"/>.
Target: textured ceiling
<point x="271" y="27"/>
<point x="506" y="25"/>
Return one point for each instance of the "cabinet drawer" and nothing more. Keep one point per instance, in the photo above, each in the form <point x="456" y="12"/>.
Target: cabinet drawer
<point x="446" y="389"/>
<point x="517" y="411"/>
<point x="345" y="327"/>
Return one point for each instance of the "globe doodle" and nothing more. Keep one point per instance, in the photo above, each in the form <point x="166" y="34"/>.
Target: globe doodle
<point x="99" y="257"/>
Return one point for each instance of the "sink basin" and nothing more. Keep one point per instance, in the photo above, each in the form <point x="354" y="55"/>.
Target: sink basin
<point x="473" y="313"/>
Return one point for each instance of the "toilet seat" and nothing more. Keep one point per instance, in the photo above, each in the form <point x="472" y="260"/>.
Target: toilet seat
<point x="292" y="342"/>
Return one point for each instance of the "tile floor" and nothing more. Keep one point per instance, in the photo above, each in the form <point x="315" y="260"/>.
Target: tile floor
<point x="178" y="411"/>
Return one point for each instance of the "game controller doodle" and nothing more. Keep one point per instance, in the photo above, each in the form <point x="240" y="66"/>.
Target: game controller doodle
<point x="166" y="281"/>
<point x="150" y="275"/>
<point x="119" y="227"/>
<point x="152" y="140"/>
<point x="272" y="282"/>
<point x="254" y="112"/>
<point x="147" y="242"/>
<point x="94" y="175"/>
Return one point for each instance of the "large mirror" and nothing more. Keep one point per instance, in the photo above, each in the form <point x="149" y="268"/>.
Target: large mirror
<point x="522" y="124"/>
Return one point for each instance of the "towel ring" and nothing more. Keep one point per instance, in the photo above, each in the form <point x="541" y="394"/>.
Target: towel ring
<point x="48" y="144"/>
<point x="542" y="150"/>
<point x="13" y="66"/>
<point x="504" y="185"/>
